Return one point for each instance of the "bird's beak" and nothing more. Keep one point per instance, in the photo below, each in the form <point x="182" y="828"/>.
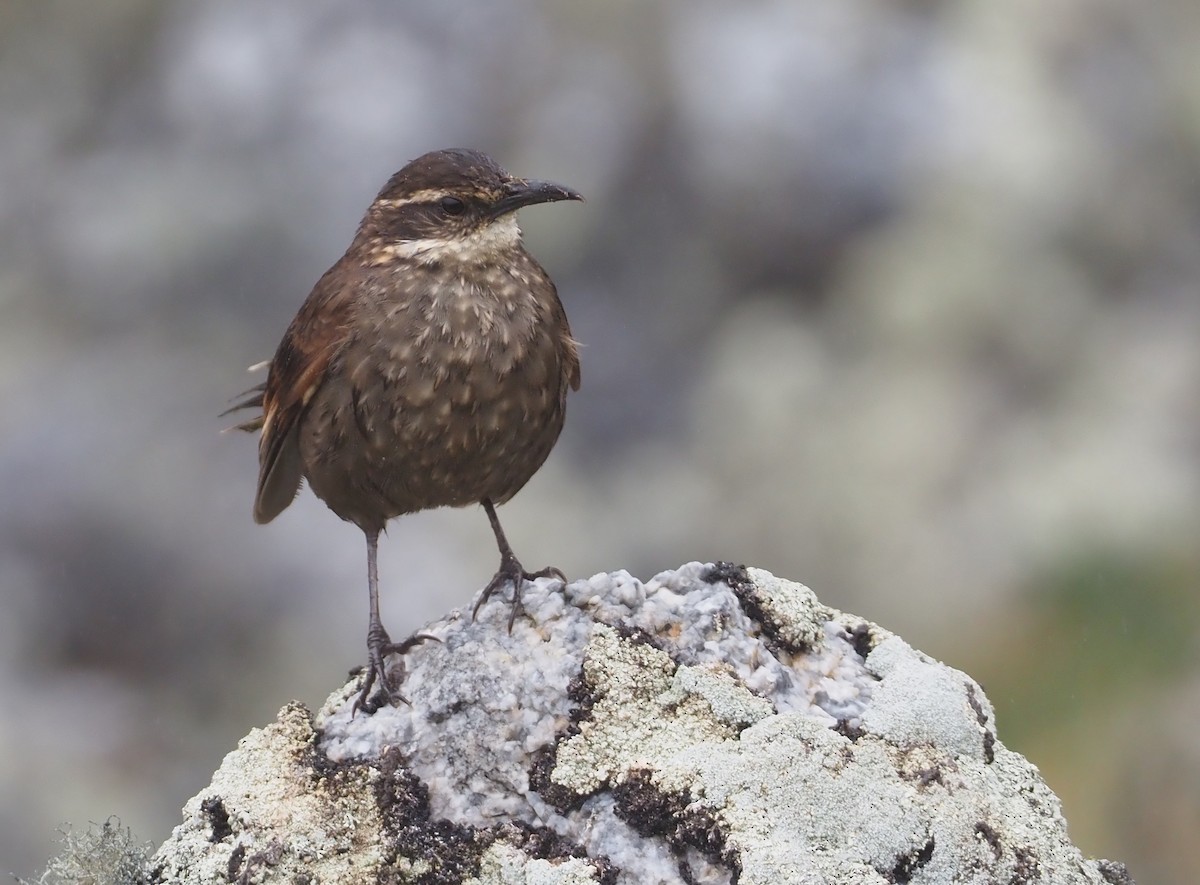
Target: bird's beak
<point x="520" y="192"/>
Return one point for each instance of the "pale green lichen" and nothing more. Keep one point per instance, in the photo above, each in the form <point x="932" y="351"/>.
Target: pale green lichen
<point x="794" y="609"/>
<point x="637" y="719"/>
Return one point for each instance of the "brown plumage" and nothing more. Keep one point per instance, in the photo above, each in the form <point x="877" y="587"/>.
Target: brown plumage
<point x="429" y="367"/>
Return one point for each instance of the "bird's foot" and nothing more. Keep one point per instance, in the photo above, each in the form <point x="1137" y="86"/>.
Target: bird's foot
<point x="512" y="572"/>
<point x="379" y="647"/>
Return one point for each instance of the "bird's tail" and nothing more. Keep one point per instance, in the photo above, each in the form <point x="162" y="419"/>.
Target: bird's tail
<point x="249" y="399"/>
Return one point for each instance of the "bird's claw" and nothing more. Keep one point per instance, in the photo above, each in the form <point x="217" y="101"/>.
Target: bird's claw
<point x="512" y="572"/>
<point x="548" y="572"/>
<point x="379" y="647"/>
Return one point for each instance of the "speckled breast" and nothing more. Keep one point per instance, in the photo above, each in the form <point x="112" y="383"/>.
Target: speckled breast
<point x="444" y="398"/>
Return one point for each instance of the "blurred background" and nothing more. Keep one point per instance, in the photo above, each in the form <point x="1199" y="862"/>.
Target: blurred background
<point x="898" y="299"/>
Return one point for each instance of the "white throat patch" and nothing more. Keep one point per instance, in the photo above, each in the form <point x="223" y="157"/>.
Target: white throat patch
<point x="501" y="235"/>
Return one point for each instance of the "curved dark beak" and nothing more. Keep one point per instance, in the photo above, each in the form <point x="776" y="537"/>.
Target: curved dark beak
<point x="520" y="192"/>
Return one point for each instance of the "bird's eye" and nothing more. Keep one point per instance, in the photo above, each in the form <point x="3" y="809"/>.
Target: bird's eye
<point x="453" y="206"/>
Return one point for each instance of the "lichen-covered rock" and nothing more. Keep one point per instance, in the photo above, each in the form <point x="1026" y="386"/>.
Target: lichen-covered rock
<point x="713" y="725"/>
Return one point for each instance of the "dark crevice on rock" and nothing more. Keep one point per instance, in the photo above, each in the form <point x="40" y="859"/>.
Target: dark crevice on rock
<point x="268" y="857"/>
<point x="908" y="865"/>
<point x="989" y="738"/>
<point x="927" y="776"/>
<point x="638" y="636"/>
<point x="746" y="591"/>
<point x="214" y="809"/>
<point x="1028" y="868"/>
<point x="579" y="693"/>
<point x="989" y="835"/>
<point x="670" y="816"/>
<point x="235" y="862"/>
<point x="724" y="572"/>
<point x="541" y="843"/>
<point x="563" y="799"/>
<point x="848" y="730"/>
<point x="646" y="808"/>
<point x="989" y="747"/>
<point x="611" y="875"/>
<point x="701" y="829"/>
<point x="439" y="716"/>
<point x="861" y="639"/>
<point x="450" y="852"/>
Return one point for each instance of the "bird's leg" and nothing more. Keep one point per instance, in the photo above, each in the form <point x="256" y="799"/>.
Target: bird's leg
<point x="511" y="571"/>
<point x="379" y="644"/>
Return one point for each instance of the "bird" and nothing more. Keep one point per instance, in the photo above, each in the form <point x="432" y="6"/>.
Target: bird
<point x="429" y="367"/>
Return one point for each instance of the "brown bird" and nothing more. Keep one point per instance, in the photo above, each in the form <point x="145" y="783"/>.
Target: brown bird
<point x="429" y="367"/>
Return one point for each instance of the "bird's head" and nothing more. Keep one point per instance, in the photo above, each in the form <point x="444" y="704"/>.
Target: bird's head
<point x="453" y="205"/>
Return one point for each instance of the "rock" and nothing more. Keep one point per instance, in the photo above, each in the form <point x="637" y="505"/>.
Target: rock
<point x="713" y="725"/>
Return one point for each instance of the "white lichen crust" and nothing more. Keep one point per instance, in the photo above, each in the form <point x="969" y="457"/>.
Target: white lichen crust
<point x="712" y="725"/>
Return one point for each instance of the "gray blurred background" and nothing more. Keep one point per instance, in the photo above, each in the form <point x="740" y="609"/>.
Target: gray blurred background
<point x="895" y="298"/>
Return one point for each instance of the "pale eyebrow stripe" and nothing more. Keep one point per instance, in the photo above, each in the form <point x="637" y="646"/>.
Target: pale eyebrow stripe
<point x="429" y="195"/>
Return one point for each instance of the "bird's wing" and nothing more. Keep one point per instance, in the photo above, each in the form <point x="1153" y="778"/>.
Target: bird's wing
<point x="299" y="368"/>
<point x="568" y="345"/>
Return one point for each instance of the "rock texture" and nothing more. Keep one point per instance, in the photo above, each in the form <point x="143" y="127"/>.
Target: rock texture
<point x="713" y="725"/>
